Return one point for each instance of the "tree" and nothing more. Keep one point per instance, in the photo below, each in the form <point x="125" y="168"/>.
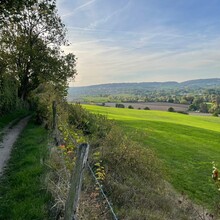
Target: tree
<point x="31" y="38"/>
<point x="130" y="107"/>
<point x="204" y="108"/>
<point x="119" y="105"/>
<point x="171" y="109"/>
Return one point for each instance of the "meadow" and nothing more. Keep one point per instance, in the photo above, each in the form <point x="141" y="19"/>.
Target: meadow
<point x="185" y="144"/>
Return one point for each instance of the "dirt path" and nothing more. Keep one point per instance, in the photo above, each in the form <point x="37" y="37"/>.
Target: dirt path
<point x="8" y="140"/>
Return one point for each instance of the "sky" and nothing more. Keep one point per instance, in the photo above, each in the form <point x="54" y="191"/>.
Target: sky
<point x="142" y="40"/>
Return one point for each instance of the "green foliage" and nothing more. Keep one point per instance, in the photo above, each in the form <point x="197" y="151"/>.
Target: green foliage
<point x="7" y="118"/>
<point x="215" y="114"/>
<point x="41" y="102"/>
<point x="89" y="123"/>
<point x="30" y="46"/>
<point x="119" y="105"/>
<point x="130" y="107"/>
<point x="171" y="109"/>
<point x="8" y="95"/>
<point x="146" y="108"/>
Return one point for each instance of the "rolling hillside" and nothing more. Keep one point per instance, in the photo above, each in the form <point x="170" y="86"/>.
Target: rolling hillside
<point x="75" y="93"/>
<point x="186" y="144"/>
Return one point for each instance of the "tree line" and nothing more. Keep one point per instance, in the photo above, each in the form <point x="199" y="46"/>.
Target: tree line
<point x="31" y="58"/>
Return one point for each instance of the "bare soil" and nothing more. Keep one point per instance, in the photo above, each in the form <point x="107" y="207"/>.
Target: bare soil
<point x="9" y="138"/>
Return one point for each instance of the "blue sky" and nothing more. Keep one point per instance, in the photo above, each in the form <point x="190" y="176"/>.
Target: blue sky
<point x="142" y="40"/>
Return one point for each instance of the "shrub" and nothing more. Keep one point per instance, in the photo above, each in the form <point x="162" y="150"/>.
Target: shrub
<point x="171" y="109"/>
<point x="146" y="108"/>
<point x="215" y="114"/>
<point x="130" y="107"/>
<point x="119" y="105"/>
<point x="89" y="123"/>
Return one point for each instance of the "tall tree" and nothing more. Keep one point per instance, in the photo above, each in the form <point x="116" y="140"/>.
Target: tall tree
<point x="31" y="38"/>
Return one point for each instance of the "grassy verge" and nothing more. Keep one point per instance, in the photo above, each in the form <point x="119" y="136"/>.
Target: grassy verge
<point x="4" y="120"/>
<point x="22" y="191"/>
<point x="186" y="144"/>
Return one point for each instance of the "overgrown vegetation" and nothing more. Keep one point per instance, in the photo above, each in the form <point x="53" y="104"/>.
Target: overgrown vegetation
<point x="22" y="188"/>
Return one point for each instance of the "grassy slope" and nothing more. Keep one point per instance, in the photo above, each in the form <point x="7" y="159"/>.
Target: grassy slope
<point x="22" y="194"/>
<point x="186" y="144"/>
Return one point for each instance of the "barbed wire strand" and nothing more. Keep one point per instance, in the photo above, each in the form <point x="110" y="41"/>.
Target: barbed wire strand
<point x="103" y="193"/>
<point x="93" y="174"/>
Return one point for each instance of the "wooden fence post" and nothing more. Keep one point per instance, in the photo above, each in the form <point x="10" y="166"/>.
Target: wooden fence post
<point x="56" y="132"/>
<point x="76" y="183"/>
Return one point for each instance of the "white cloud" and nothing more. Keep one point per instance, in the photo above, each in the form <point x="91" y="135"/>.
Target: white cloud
<point x="150" y="53"/>
<point x="100" y="63"/>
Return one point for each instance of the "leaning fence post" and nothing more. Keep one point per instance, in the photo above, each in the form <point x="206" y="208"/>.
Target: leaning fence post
<point x="76" y="183"/>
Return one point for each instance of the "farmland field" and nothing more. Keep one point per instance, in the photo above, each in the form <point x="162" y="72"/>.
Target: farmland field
<point x="162" y="106"/>
<point x="186" y="144"/>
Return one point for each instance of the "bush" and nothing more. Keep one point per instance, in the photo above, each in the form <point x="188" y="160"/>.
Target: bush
<point x="119" y="105"/>
<point x="146" y="108"/>
<point x="8" y="95"/>
<point x="89" y="123"/>
<point x="171" y="109"/>
<point x="130" y="107"/>
<point x="215" y="114"/>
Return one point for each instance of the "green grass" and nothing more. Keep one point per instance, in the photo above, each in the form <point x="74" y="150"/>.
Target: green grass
<point x="22" y="191"/>
<point x="186" y="144"/>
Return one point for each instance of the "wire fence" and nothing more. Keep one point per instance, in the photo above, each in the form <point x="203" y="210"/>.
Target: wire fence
<point x="103" y="193"/>
<point x="73" y="216"/>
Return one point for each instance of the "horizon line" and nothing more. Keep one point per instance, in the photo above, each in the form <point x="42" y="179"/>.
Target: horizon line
<point x="168" y="81"/>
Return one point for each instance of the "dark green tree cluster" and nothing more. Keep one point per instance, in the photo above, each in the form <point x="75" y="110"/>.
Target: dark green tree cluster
<point x="119" y="105"/>
<point x="31" y="36"/>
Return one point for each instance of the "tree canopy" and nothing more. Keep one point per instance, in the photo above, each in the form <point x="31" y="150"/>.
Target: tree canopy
<point x="31" y="36"/>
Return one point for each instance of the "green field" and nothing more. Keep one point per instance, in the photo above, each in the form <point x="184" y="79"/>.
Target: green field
<point x="186" y="144"/>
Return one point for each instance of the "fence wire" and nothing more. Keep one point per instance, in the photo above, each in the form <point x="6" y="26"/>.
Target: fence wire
<point x="103" y="193"/>
<point x="93" y="174"/>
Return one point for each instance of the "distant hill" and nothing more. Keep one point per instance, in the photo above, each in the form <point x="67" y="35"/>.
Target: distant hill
<point x="75" y="93"/>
